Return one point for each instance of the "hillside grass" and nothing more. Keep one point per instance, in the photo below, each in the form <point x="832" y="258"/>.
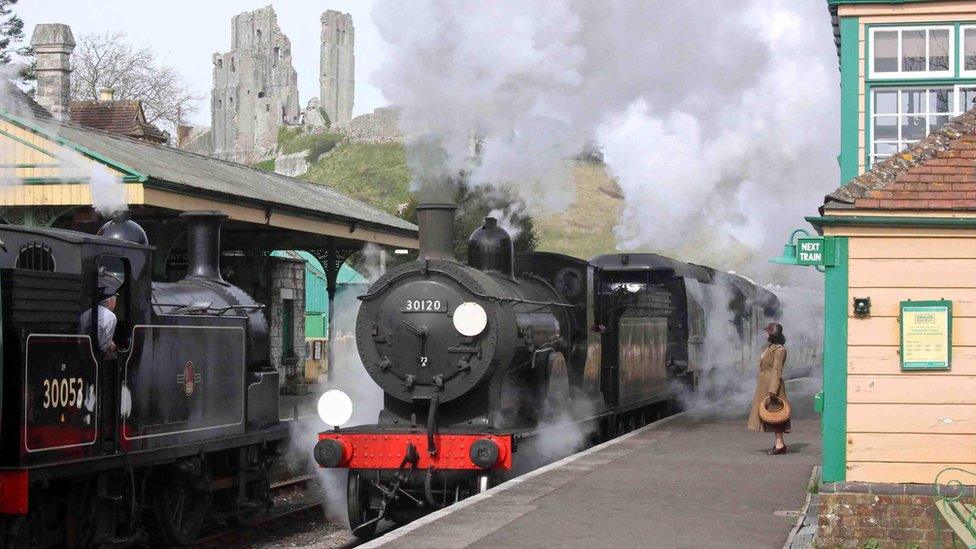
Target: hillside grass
<point x="374" y="173"/>
<point x="378" y="174"/>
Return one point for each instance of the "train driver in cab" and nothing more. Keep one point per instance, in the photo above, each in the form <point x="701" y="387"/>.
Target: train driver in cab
<point x="106" y="320"/>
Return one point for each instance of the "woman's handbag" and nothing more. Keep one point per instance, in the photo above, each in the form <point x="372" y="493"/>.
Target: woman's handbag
<point x="774" y="410"/>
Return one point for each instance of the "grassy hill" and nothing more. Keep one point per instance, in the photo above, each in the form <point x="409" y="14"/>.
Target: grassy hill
<point x="378" y="174"/>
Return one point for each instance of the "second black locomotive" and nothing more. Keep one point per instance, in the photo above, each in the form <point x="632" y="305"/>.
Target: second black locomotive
<point x="477" y="362"/>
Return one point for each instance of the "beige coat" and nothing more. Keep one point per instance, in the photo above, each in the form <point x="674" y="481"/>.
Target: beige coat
<point x="769" y="380"/>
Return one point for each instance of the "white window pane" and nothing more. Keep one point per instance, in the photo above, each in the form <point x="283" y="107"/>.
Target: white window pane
<point x="937" y="122"/>
<point x="939" y="50"/>
<point x="913" y="50"/>
<point x="913" y="101"/>
<point x="940" y="100"/>
<point x="886" y="128"/>
<point x="913" y="128"/>
<point x="969" y="49"/>
<point x="966" y="98"/>
<point x="885" y="50"/>
<point x="885" y="149"/>
<point x="886" y="102"/>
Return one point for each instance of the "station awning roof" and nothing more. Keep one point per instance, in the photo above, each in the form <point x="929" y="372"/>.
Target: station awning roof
<point x="34" y="147"/>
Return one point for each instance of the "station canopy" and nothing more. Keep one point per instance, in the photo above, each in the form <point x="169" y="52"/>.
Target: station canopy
<point x="51" y="169"/>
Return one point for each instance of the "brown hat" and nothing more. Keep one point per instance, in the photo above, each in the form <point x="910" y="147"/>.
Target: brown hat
<point x="774" y="329"/>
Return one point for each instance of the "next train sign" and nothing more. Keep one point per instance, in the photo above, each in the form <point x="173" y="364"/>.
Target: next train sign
<point x="815" y="250"/>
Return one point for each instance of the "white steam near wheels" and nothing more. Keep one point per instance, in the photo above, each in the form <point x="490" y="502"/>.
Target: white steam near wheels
<point x="335" y="408"/>
<point x="470" y="319"/>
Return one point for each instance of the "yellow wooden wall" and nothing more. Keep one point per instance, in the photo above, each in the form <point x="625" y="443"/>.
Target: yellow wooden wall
<point x="908" y="426"/>
<point x="50" y="162"/>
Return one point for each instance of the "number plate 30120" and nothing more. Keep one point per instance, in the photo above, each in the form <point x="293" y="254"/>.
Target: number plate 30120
<point x="424" y="306"/>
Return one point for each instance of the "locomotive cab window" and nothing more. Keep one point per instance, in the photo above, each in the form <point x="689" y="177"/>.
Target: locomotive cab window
<point x="111" y="295"/>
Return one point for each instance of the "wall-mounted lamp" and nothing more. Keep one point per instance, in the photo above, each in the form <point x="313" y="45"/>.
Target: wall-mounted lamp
<point x="862" y="307"/>
<point x="789" y="250"/>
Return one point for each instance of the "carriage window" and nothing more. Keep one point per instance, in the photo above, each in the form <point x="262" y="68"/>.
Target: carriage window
<point x="35" y="257"/>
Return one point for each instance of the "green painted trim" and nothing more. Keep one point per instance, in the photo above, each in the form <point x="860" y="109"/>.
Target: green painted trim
<point x="884" y="221"/>
<point x="834" y="419"/>
<point x="848" y="98"/>
<point x="19" y="166"/>
<point x="80" y="148"/>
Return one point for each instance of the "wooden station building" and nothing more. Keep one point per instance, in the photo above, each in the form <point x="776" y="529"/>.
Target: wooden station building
<point x="54" y="173"/>
<point x="899" y="389"/>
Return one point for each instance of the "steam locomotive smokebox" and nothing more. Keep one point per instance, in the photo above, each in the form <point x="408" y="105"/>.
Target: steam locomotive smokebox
<point x="490" y="249"/>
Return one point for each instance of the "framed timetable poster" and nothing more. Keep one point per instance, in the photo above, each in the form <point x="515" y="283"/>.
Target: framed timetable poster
<point x="926" y="335"/>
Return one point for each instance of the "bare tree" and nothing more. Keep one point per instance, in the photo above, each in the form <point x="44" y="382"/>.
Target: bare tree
<point x="107" y="60"/>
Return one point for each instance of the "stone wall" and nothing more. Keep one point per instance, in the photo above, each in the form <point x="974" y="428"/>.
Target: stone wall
<point x="896" y="516"/>
<point x="287" y="281"/>
<point x="255" y="88"/>
<point x="379" y="126"/>
<point x="337" y="66"/>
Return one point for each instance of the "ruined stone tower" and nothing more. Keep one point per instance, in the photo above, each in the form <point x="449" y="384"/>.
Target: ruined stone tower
<point x="255" y="88"/>
<point x="337" y="69"/>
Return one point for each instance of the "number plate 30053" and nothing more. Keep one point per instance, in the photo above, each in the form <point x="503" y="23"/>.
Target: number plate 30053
<point x="424" y="306"/>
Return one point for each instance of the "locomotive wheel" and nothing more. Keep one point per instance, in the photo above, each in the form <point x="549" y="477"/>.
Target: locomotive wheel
<point x="181" y="500"/>
<point x="357" y="502"/>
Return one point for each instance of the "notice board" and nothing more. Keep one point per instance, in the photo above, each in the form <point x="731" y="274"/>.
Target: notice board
<point x="926" y="335"/>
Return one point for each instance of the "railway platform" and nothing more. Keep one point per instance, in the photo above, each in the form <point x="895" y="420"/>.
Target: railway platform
<point x="696" y="479"/>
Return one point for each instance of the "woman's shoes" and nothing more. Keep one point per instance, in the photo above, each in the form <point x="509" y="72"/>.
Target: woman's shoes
<point x="776" y="451"/>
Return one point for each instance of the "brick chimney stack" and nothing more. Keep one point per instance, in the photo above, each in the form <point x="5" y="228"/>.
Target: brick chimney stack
<point x="53" y="44"/>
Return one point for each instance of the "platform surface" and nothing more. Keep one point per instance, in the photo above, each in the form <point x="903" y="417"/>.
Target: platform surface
<point x="699" y="479"/>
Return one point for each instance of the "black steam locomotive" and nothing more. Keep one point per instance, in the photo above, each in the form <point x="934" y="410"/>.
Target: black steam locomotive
<point x="174" y="418"/>
<point x="478" y="361"/>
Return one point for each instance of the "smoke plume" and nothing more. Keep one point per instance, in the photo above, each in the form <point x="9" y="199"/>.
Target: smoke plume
<point x="718" y="119"/>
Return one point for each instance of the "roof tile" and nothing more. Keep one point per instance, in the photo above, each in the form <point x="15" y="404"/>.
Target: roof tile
<point x="936" y="173"/>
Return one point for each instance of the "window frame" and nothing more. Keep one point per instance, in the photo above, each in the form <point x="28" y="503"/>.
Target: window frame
<point x="872" y="114"/>
<point x="913" y="75"/>
<point x="961" y="54"/>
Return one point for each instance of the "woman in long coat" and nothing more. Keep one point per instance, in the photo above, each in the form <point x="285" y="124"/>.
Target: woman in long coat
<point x="769" y="382"/>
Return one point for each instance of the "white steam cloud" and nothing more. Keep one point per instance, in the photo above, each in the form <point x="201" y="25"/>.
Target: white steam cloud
<point x="718" y="119"/>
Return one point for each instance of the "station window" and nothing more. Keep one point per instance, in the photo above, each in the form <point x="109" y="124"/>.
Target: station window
<point x="911" y="52"/>
<point x="967" y="54"/>
<point x="902" y="116"/>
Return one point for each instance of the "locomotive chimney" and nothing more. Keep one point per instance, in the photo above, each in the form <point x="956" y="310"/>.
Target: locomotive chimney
<point x="435" y="222"/>
<point x="203" y="244"/>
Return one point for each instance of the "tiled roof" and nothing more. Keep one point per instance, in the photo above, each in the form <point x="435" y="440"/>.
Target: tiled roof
<point x="124" y="117"/>
<point x="937" y="173"/>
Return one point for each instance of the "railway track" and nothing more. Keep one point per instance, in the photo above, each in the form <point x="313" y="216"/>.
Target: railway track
<point x="305" y="507"/>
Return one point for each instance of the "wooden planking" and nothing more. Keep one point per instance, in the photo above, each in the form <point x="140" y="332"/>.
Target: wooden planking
<point x="66" y="194"/>
<point x="911" y="389"/>
<point x="912" y="248"/>
<point x="911" y="418"/>
<point x="911" y="448"/>
<point x="884" y="331"/>
<point x="884" y="301"/>
<point x="911" y="273"/>
<point x="902" y="472"/>
<point x="902" y="232"/>
<point x="884" y="359"/>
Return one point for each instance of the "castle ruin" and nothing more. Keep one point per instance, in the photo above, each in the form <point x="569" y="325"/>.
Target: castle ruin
<point x="255" y="88"/>
<point x="337" y="68"/>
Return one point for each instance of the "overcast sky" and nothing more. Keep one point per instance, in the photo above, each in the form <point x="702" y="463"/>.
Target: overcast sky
<point x="188" y="32"/>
